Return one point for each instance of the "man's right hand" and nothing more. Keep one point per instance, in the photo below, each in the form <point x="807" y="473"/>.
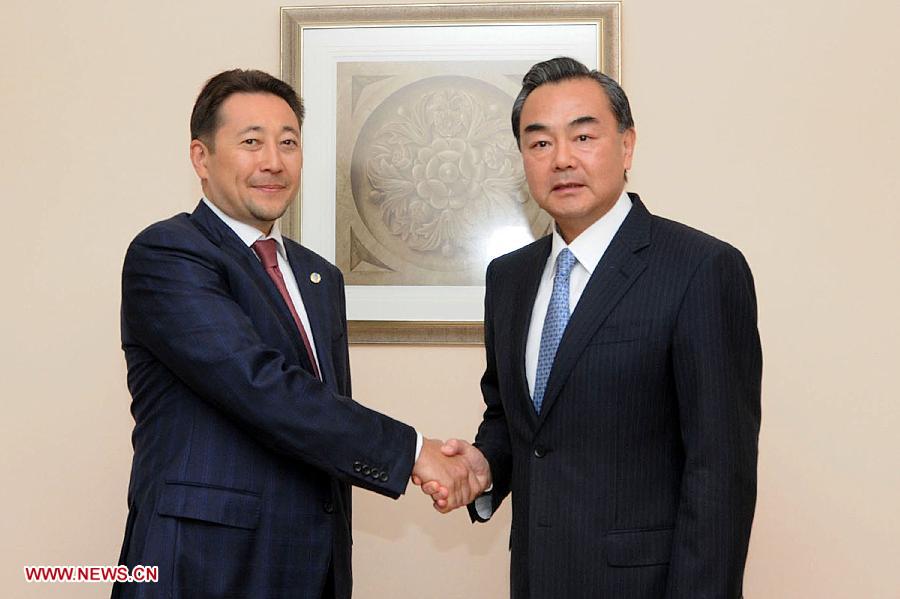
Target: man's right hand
<point x="477" y="477"/>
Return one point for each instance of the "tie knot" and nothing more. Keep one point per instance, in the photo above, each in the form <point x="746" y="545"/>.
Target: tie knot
<point x="564" y="262"/>
<point x="266" y="250"/>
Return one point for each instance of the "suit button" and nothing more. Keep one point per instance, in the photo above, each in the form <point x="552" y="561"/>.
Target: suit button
<point x="376" y="473"/>
<point x="328" y="507"/>
<point x="540" y="451"/>
<point x="384" y="477"/>
<point x="357" y="466"/>
<point x="366" y="470"/>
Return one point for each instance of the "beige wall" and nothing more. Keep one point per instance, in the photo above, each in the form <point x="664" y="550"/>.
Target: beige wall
<point x="770" y="124"/>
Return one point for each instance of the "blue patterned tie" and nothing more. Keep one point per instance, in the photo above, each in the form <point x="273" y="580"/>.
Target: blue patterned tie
<point x="554" y="324"/>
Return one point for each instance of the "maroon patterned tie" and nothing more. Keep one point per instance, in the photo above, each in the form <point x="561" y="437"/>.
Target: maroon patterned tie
<point x="265" y="249"/>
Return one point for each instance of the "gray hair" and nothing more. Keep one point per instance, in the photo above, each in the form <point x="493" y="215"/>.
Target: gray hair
<point x="562" y="69"/>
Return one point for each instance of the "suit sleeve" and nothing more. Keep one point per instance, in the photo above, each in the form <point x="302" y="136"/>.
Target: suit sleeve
<point x="718" y="364"/>
<point x="177" y="304"/>
<point x="493" y="435"/>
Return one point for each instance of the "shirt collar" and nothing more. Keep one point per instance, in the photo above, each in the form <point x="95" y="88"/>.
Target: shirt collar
<point x="590" y="246"/>
<point x="248" y="233"/>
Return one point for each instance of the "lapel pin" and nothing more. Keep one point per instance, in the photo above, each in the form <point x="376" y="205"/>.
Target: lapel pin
<point x="315" y="277"/>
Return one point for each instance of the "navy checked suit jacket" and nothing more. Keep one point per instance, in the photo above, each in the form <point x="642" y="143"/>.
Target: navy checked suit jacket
<point x="242" y="458"/>
<point x="638" y="479"/>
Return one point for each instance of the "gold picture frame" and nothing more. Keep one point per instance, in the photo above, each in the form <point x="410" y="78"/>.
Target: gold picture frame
<point x="367" y="75"/>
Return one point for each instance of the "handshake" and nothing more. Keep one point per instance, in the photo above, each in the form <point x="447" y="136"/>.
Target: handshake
<point x="453" y="473"/>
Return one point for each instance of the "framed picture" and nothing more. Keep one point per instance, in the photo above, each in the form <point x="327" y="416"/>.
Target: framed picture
<point x="412" y="180"/>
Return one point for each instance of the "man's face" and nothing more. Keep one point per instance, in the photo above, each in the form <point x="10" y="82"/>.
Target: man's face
<point x="574" y="155"/>
<point x="253" y="169"/>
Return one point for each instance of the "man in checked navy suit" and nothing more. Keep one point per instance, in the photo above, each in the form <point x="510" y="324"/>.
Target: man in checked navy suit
<point x="246" y="439"/>
<point x="622" y="386"/>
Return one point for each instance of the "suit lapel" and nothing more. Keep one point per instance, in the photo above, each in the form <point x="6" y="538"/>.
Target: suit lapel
<point x="522" y="307"/>
<point x="615" y="273"/>
<point x="318" y="312"/>
<point x="227" y="240"/>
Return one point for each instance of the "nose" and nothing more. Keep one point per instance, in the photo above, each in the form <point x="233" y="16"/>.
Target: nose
<point x="563" y="158"/>
<point x="270" y="159"/>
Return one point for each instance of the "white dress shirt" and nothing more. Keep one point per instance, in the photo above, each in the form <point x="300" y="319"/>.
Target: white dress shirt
<point x="588" y="248"/>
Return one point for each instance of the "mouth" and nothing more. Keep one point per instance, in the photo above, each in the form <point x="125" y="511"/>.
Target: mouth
<point x="269" y="188"/>
<point x="567" y="186"/>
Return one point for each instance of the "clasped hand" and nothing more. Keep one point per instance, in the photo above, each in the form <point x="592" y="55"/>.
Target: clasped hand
<point x="453" y="473"/>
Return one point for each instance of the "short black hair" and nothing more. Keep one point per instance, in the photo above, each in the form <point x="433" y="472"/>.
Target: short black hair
<point x="205" y="116"/>
<point x="564" y="68"/>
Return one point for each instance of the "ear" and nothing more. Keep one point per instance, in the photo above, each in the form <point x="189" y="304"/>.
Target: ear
<point x="629" y="138"/>
<point x="199" y="157"/>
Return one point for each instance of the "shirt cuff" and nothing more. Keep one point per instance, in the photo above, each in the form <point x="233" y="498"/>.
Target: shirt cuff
<point x="418" y="446"/>
<point x="483" y="505"/>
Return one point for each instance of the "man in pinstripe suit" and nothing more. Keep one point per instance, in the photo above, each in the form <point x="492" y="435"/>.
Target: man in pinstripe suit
<point x="622" y="386"/>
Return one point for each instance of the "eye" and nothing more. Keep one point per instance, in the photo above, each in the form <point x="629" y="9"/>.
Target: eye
<point x="290" y="142"/>
<point x="540" y="144"/>
<point x="583" y="137"/>
<point x="251" y="142"/>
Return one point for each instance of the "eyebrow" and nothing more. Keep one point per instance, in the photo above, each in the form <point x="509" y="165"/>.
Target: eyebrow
<point x="256" y="128"/>
<point x="534" y="127"/>
<point x="582" y="120"/>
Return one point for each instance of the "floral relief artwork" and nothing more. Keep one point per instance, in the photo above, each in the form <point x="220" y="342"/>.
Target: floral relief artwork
<point x="430" y="184"/>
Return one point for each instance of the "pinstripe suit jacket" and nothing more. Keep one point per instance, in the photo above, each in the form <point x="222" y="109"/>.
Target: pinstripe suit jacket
<point x="638" y="479"/>
<point x="242" y="459"/>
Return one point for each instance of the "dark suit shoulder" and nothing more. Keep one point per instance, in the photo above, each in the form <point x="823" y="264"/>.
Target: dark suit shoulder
<point x="171" y="231"/>
<point x="174" y="242"/>
<point x="516" y="259"/>
<point x="683" y="243"/>
<point x="666" y="229"/>
<point x="686" y="259"/>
